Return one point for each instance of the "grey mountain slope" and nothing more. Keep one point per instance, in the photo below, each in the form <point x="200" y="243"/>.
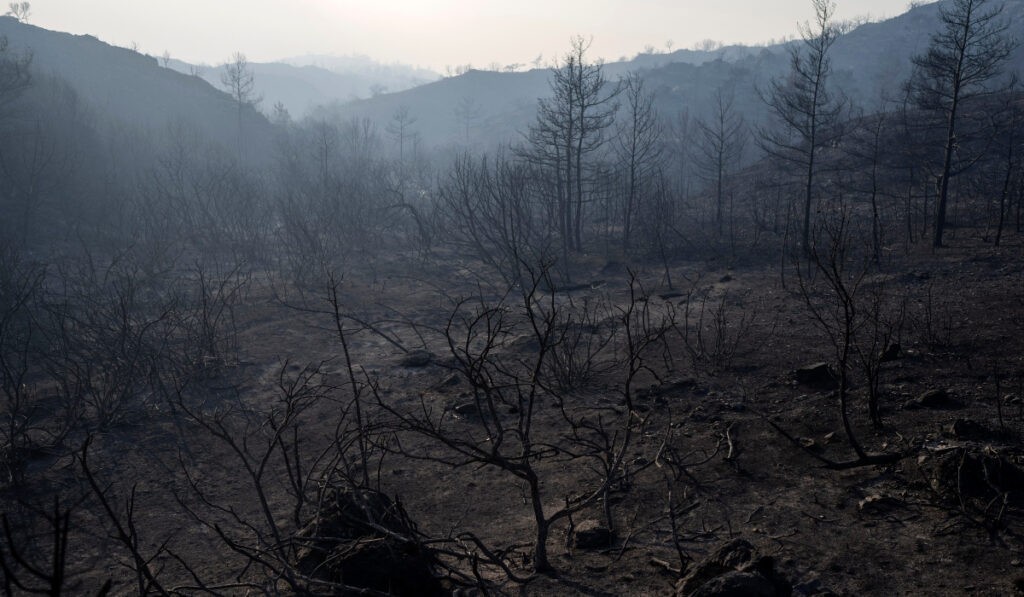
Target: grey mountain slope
<point x="504" y="101"/>
<point x="301" y="87"/>
<point x="869" y="63"/>
<point x="395" y="76"/>
<point x="123" y="86"/>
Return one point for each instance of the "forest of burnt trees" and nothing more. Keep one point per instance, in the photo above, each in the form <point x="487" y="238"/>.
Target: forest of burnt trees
<point x="132" y="261"/>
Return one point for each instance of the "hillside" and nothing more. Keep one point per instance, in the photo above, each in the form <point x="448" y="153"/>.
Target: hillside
<point x="130" y="88"/>
<point x="869" y="63"/>
<point x="304" y="82"/>
<point x="621" y="364"/>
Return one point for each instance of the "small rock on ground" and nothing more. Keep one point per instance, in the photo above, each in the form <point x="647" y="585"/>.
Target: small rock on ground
<point x="591" y="534"/>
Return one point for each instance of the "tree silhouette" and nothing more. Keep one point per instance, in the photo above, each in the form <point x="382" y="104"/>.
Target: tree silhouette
<point x="963" y="62"/>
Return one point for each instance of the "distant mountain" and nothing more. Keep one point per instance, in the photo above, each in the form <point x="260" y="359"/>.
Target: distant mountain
<point x="869" y="63"/>
<point x="497" y="103"/>
<point x="126" y="87"/>
<point x="303" y="83"/>
<point x="394" y="76"/>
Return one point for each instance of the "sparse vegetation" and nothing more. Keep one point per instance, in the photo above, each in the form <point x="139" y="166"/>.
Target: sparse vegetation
<point x="596" y="343"/>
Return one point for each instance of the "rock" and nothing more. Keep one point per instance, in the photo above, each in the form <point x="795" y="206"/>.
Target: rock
<point x="670" y="386"/>
<point x="932" y="399"/>
<point x="344" y="543"/>
<point x="967" y="429"/>
<point x="876" y="503"/>
<point x="591" y="534"/>
<point x="891" y="353"/>
<point x="734" y="554"/>
<point x="416" y="359"/>
<point x="727" y="558"/>
<point x="816" y="374"/>
<point x="968" y="473"/>
<point x="725" y="278"/>
<point x="734" y="569"/>
<point x="811" y="587"/>
<point x="737" y="584"/>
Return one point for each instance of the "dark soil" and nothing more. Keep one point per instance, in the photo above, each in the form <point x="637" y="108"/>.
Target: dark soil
<point x="945" y="518"/>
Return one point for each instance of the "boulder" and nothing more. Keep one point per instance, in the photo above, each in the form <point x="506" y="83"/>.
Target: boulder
<point x="737" y="584"/>
<point x="591" y="534"/>
<point x="345" y="544"/>
<point x="968" y="429"/>
<point x="969" y="473"/>
<point x="932" y="399"/>
<point x="727" y="558"/>
<point x="816" y="374"/>
<point x="891" y="353"/>
<point x="733" y="570"/>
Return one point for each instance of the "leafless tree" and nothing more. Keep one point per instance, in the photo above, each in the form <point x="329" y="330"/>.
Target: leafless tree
<point x="401" y="131"/>
<point x="638" y="147"/>
<point x="21" y="428"/>
<point x="723" y="137"/>
<point x="240" y="82"/>
<point x="806" y="111"/>
<point x="571" y="126"/>
<point x="32" y="569"/>
<point x="1009" y="143"/>
<point x="277" y="446"/>
<point x="15" y="76"/>
<point x="511" y="426"/>
<point x="841" y="302"/>
<point x="20" y="11"/>
<point x="963" y="62"/>
<point x="490" y="209"/>
<point x="467" y="114"/>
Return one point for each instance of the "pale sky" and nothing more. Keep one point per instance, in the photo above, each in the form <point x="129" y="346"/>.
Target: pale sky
<point x="429" y="33"/>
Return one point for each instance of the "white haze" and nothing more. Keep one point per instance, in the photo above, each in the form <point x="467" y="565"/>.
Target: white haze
<point x="430" y="33"/>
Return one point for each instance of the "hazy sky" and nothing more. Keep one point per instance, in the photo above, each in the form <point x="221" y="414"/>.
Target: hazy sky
<point x="429" y="33"/>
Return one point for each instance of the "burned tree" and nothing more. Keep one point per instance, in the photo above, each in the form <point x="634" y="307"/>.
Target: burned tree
<point x="806" y="111"/>
<point x="570" y="129"/>
<point x="963" y="63"/>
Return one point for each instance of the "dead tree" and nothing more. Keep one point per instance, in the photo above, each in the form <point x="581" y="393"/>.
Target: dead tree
<point x="963" y="62"/>
<point x="510" y="425"/>
<point x="569" y="130"/>
<point x="270" y="446"/>
<point x="21" y="428"/>
<point x="805" y="108"/>
<point x="834" y="294"/>
<point x="638" y="148"/>
<point x="490" y="208"/>
<point x="723" y="137"/>
<point x="43" y="571"/>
